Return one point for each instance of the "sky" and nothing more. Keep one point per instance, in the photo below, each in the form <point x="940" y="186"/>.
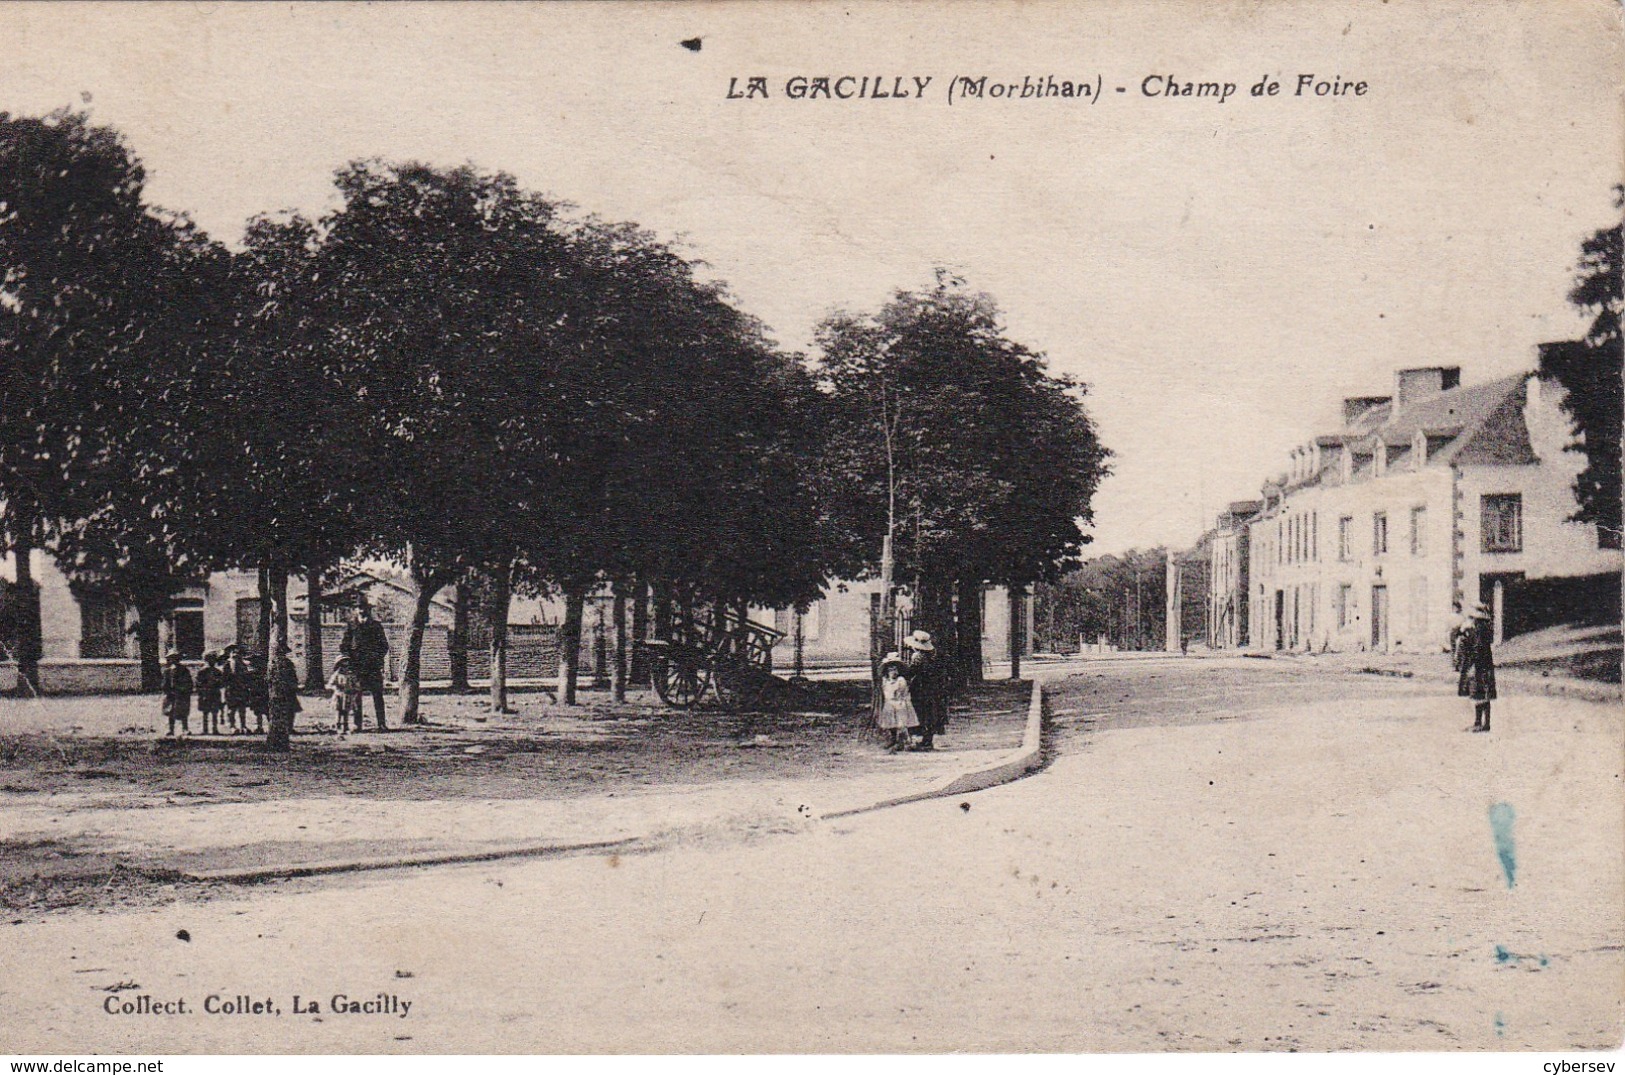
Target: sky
<point x="1219" y="274"/>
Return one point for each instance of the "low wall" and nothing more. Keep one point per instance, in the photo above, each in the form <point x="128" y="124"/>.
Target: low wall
<point x="64" y="675"/>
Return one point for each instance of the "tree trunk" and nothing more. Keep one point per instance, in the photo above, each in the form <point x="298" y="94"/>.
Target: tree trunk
<point x="570" y="644"/>
<point x="497" y="610"/>
<point x="600" y="650"/>
<point x="315" y="664"/>
<point x="279" y="732"/>
<point x="639" y="671"/>
<point x="969" y="631"/>
<point x="1016" y="624"/>
<point x="457" y="638"/>
<point x="618" y="661"/>
<point x="147" y="648"/>
<point x="662" y="611"/>
<point x="412" y="674"/>
<point x="264" y="641"/>
<point x="27" y="627"/>
<point x="278" y="576"/>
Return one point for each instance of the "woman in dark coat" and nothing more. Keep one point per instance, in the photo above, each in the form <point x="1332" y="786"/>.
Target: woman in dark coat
<point x="1475" y="664"/>
<point x="926" y="688"/>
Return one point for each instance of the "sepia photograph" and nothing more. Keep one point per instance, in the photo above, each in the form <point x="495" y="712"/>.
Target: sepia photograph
<point x="727" y="528"/>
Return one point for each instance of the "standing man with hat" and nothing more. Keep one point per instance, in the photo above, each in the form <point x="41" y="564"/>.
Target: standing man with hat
<point x="366" y="646"/>
<point x="1475" y="664"/>
<point x="926" y="688"/>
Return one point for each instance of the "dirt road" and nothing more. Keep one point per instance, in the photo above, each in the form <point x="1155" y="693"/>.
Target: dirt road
<point x="1221" y="856"/>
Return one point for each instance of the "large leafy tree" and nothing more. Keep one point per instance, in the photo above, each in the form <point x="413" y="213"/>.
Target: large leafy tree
<point x="84" y="264"/>
<point x="683" y="442"/>
<point x="440" y="293"/>
<point x="958" y="450"/>
<point x="1590" y="370"/>
<point x="703" y="435"/>
<point x="293" y="483"/>
<point x="131" y="531"/>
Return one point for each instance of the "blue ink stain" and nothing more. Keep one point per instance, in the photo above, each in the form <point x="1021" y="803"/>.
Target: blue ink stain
<point x="1501" y="817"/>
<point x="1500" y="1025"/>
<point x="1504" y="956"/>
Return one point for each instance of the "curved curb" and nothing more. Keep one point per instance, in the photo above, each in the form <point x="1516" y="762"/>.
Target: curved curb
<point x="1013" y="766"/>
<point x="252" y="874"/>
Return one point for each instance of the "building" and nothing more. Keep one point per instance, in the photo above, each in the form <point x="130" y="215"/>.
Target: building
<point x="89" y="643"/>
<point x="88" y="640"/>
<point x="834" y="630"/>
<point x="1188" y="587"/>
<point x="1437" y="495"/>
<point x="1228" y="574"/>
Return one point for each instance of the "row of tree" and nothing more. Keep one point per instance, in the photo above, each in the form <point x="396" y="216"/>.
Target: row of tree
<point x="459" y="375"/>
<point x="1119" y="600"/>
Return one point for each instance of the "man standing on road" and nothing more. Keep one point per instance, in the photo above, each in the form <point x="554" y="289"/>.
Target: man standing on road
<point x="1475" y="663"/>
<point x="366" y="646"/>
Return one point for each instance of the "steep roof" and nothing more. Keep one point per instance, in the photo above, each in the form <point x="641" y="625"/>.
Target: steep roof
<point x="1481" y="422"/>
<point x="1465" y="408"/>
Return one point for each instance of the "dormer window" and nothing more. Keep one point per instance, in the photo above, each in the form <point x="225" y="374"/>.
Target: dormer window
<point x="1379" y="465"/>
<point x="1419" y="450"/>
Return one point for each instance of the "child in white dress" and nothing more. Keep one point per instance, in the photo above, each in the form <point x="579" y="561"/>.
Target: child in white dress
<point x="346" y="688"/>
<point x="897" y="714"/>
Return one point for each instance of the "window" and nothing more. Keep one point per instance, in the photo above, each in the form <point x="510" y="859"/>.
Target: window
<point x="188" y="633"/>
<point x="1345" y="537"/>
<point x="101" y="627"/>
<point x="1345" y="593"/>
<point x="1503" y="522"/>
<point x="784" y="620"/>
<point x="1314" y="536"/>
<point x="1379" y="534"/>
<point x="1419" y="531"/>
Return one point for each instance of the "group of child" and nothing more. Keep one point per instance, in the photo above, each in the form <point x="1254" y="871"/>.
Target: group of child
<point x="229" y="687"/>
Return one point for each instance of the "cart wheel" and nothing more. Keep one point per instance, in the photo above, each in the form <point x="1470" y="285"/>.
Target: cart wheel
<point x="678" y="683"/>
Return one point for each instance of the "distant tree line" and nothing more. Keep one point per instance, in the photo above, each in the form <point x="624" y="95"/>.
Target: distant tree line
<point x="1120" y="600"/>
<point x="463" y="377"/>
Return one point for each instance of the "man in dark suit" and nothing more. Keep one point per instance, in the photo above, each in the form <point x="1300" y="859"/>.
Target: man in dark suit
<point x="365" y="644"/>
<point x="926" y="688"/>
<point x="1475" y="665"/>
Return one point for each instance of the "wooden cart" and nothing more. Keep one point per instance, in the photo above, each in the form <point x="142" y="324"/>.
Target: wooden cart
<point x="707" y="648"/>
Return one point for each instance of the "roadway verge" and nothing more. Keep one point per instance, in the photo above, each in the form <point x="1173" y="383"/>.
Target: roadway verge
<point x="1004" y="770"/>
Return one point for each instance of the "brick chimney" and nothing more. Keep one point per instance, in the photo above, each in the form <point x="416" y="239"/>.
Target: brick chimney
<point x="1414" y="384"/>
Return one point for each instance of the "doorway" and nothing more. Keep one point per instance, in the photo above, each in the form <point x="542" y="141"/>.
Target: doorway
<point x="1379" y="617"/>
